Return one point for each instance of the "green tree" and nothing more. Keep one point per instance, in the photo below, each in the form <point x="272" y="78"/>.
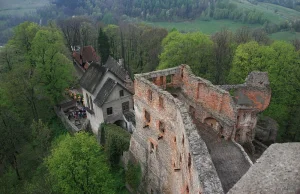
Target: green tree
<point x="281" y="61"/>
<point x="78" y="165"/>
<point x="52" y="69"/>
<point x="223" y="55"/>
<point x="103" y="46"/>
<point x="194" y="49"/>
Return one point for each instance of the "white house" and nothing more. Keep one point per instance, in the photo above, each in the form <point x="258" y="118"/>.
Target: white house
<point x="107" y="95"/>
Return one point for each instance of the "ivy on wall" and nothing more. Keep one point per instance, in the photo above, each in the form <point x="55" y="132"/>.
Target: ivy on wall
<point x="116" y="140"/>
<point x="133" y="175"/>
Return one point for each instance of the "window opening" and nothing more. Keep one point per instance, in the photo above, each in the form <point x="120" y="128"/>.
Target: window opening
<point x="147" y="117"/>
<point x="161" y="102"/>
<point x="109" y="111"/>
<point x="91" y="103"/>
<point x="149" y="95"/>
<point x="87" y="100"/>
<point x="121" y="93"/>
<point x="161" y="126"/>
<point x="125" y="106"/>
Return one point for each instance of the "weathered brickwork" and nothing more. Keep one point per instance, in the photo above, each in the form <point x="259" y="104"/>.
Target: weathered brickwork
<point x="173" y="156"/>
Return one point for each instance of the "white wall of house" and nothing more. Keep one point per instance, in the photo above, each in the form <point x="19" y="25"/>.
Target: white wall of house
<point x="97" y="118"/>
<point x="115" y="101"/>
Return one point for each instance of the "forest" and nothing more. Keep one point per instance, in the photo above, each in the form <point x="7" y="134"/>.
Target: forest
<point x="36" y="68"/>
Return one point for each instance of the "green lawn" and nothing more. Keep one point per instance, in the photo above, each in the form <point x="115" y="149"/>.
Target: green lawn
<point x="281" y="14"/>
<point x="207" y="27"/>
<point x="287" y="36"/>
<point x="19" y="7"/>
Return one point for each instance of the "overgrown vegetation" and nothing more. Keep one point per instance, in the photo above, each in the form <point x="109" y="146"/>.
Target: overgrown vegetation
<point x="117" y="141"/>
<point x="133" y="175"/>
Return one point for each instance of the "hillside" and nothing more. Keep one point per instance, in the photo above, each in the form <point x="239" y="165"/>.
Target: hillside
<point x="275" y="14"/>
<point x="20" y="6"/>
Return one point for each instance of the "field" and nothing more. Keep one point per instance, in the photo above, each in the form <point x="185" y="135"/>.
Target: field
<point x="19" y="7"/>
<point x="207" y="27"/>
<point x="274" y="13"/>
<point x="287" y="36"/>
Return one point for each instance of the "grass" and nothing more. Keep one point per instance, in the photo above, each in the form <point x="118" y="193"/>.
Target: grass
<point x="207" y="27"/>
<point x="287" y="36"/>
<point x="213" y="26"/>
<point x="19" y="7"/>
<point x="281" y="14"/>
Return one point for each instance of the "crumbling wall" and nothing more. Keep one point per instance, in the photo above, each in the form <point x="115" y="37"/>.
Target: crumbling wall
<point x="173" y="157"/>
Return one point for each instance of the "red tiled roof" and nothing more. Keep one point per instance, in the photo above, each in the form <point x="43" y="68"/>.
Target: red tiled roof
<point x="88" y="54"/>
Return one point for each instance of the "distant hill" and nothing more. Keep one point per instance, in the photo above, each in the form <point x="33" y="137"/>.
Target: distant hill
<point x="293" y="4"/>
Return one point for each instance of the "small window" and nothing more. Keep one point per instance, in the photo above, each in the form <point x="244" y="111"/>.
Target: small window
<point x="152" y="148"/>
<point x="125" y="106"/>
<point x="161" y="102"/>
<point x="147" y="117"/>
<point x="87" y="100"/>
<point x="149" y="95"/>
<point x="169" y="79"/>
<point x="161" y="80"/>
<point x="121" y="93"/>
<point x="91" y="103"/>
<point x="161" y="126"/>
<point x="109" y="111"/>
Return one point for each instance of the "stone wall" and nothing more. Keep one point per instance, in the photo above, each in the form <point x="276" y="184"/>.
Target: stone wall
<point x="167" y="103"/>
<point x="173" y="157"/>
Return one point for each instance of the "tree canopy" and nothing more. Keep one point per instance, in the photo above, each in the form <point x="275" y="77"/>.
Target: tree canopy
<point x="281" y="61"/>
<point x="78" y="165"/>
<point x="194" y="49"/>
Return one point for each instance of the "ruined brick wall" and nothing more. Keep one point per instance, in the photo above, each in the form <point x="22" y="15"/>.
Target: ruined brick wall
<point x="173" y="157"/>
<point x="208" y="102"/>
<point x="166" y="143"/>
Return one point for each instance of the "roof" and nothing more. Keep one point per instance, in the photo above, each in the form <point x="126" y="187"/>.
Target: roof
<point x="276" y="171"/>
<point x="130" y="116"/>
<point x="92" y="77"/>
<point x="115" y="68"/>
<point x="105" y="91"/>
<point x="68" y="104"/>
<point x="87" y="53"/>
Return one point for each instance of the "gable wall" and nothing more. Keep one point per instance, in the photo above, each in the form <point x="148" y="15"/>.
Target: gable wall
<point x="95" y="119"/>
<point x="115" y="101"/>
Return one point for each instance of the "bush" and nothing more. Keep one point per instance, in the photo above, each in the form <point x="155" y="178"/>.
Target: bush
<point x="133" y="175"/>
<point x="116" y="141"/>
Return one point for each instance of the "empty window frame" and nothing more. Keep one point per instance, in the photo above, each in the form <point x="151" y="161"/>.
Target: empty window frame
<point x="149" y="95"/>
<point x="125" y="106"/>
<point x="161" y="102"/>
<point x="147" y="117"/>
<point x="152" y="147"/>
<point x="109" y="111"/>
<point x="169" y="78"/>
<point x="161" y="127"/>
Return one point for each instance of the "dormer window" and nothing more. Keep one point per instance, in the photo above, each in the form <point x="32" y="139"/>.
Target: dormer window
<point x="121" y="93"/>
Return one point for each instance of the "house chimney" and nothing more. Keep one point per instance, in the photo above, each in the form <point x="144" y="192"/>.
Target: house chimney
<point x="121" y="62"/>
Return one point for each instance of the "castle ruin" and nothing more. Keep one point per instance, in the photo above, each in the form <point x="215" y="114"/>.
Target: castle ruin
<point x="189" y="133"/>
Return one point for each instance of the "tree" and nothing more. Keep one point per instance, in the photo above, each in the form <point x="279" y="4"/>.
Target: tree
<point x="103" y="46"/>
<point x="223" y="54"/>
<point x="243" y="35"/>
<point x="281" y="61"/>
<point x="52" y="69"/>
<point x="194" y="49"/>
<point x="78" y="165"/>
